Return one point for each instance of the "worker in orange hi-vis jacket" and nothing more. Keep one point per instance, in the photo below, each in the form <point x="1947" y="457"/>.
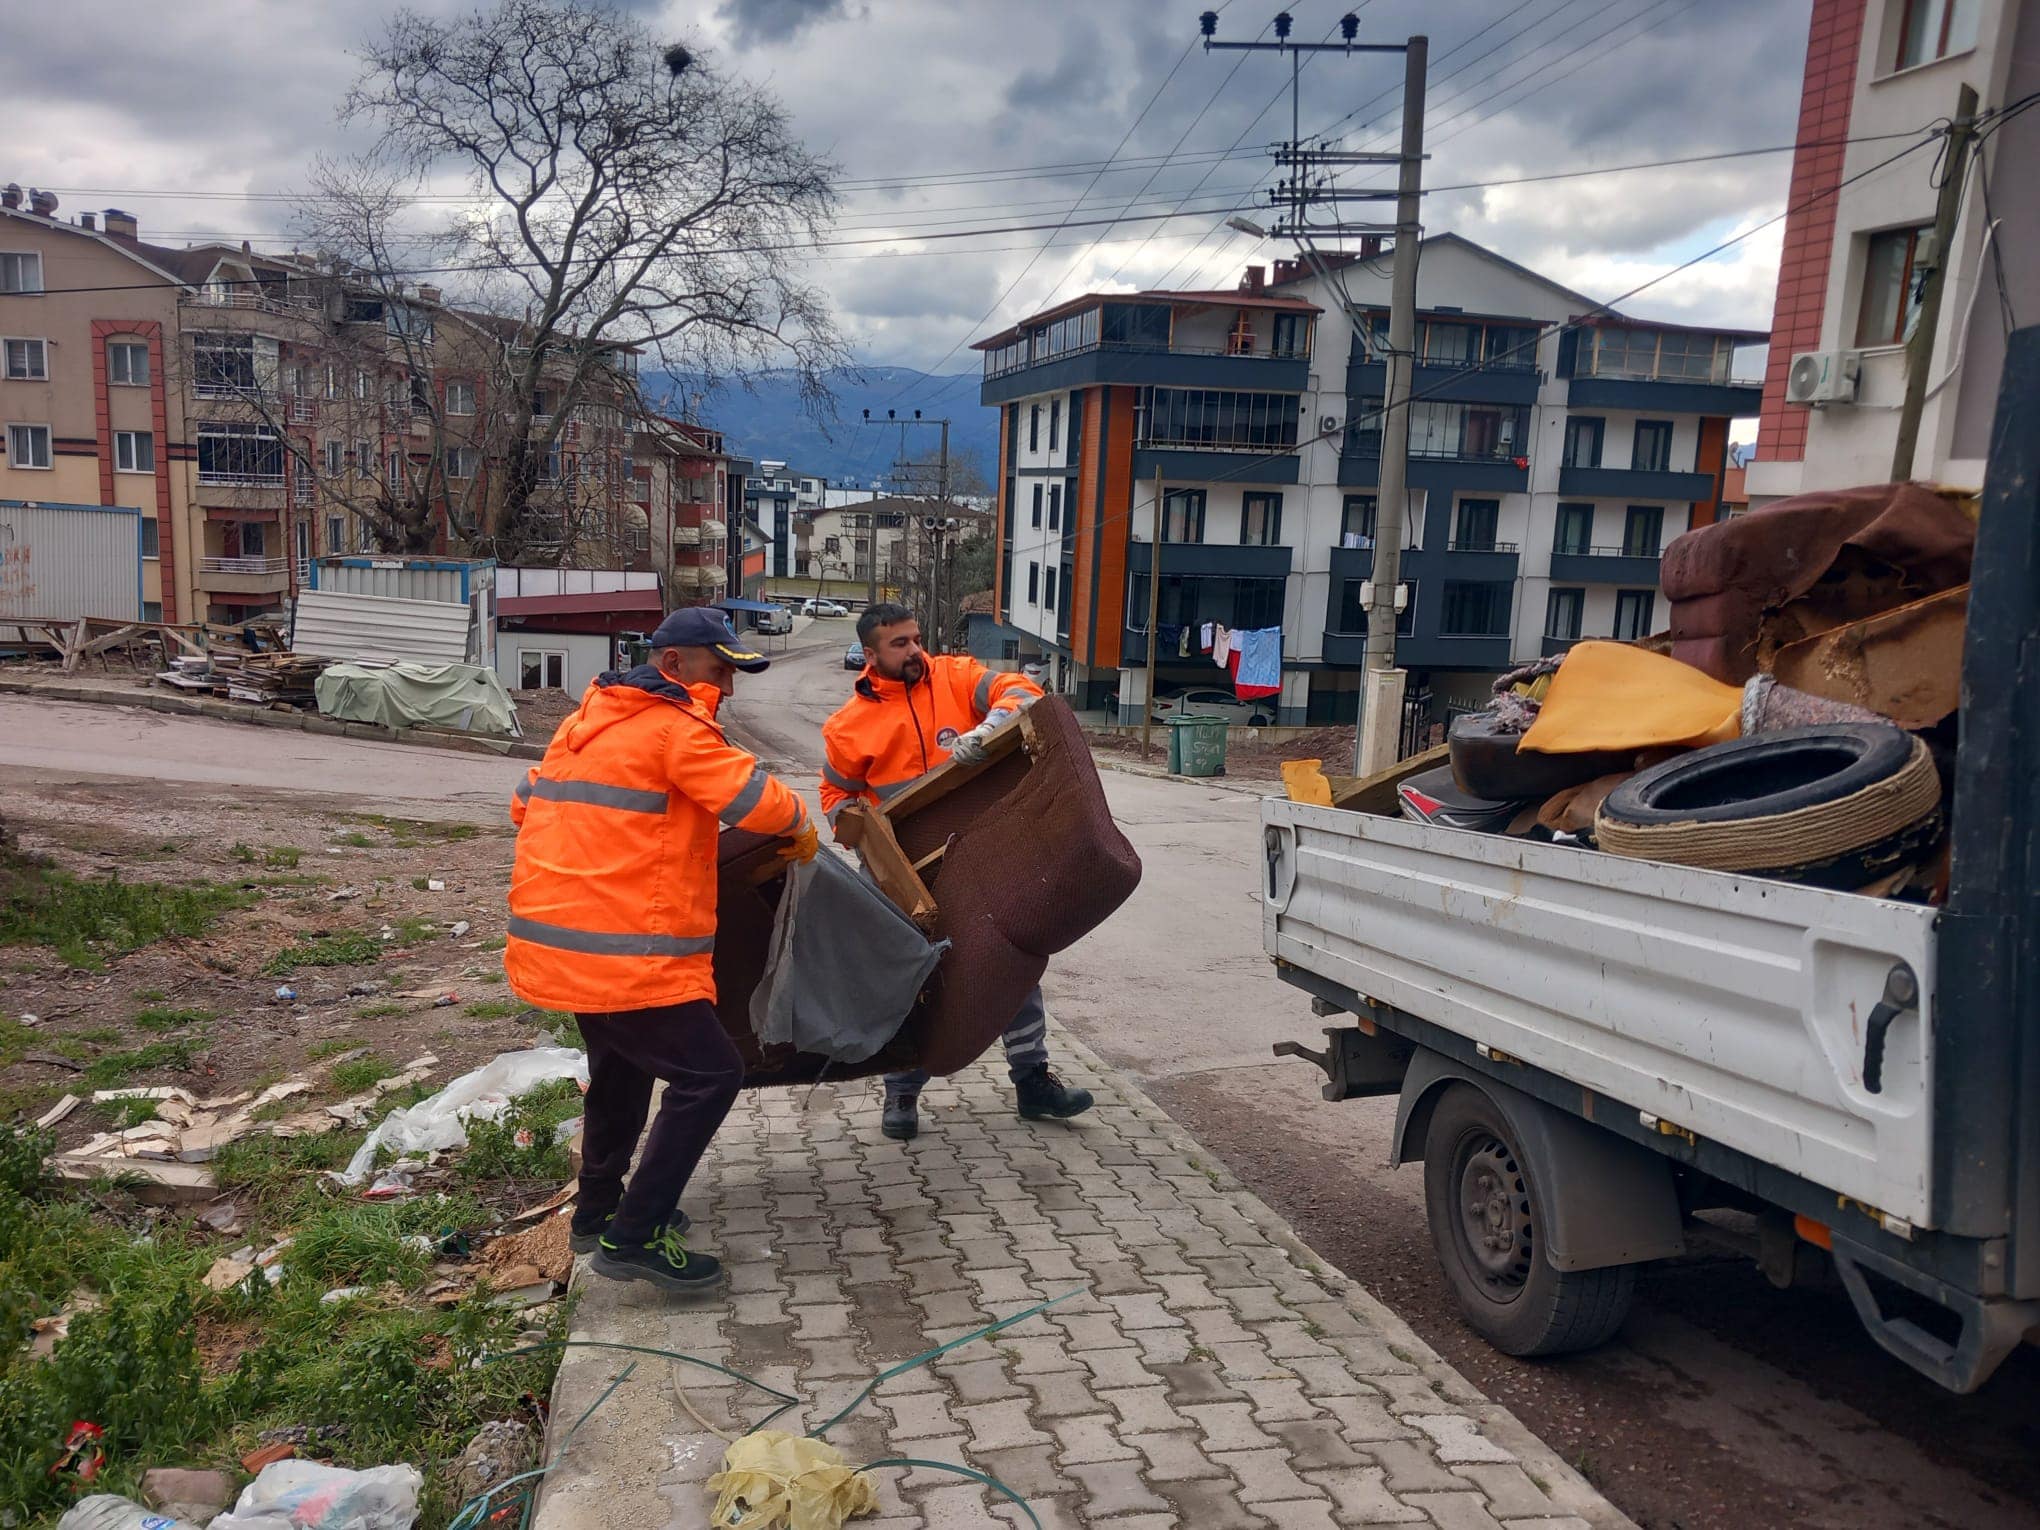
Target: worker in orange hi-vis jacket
<point x="613" y="917"/>
<point x="910" y="712"/>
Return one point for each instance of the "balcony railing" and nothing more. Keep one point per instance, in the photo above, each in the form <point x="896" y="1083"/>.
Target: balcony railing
<point x="218" y="480"/>
<point x="1605" y="552"/>
<point x="243" y="565"/>
<point x="1481" y="545"/>
<point x="1128" y="347"/>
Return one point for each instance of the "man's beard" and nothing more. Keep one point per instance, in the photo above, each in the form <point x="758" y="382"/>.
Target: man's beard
<point x="912" y="671"/>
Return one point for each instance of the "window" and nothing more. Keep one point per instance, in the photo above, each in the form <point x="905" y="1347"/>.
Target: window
<point x="1931" y="29"/>
<point x="396" y="469"/>
<point x="1633" y="611"/>
<point x="1582" y="442"/>
<point x="364" y="537"/>
<point x="28" y="360"/>
<point x="21" y="273"/>
<point x="1575" y="534"/>
<point x="1048" y="590"/>
<point x="1183" y="515"/>
<point x="1260" y="520"/>
<point x="1038" y="492"/>
<point x="1653" y="450"/>
<point x="1076" y="426"/>
<point x="364" y="458"/>
<point x="1474" y="610"/>
<point x="461" y="461"/>
<point x="1055" y="507"/>
<point x="364" y="386"/>
<point x="1292" y="335"/>
<point x="127" y="364"/>
<point x="254" y="539"/>
<point x="1034" y="427"/>
<point x="332" y="382"/>
<point x="28" y="446"/>
<point x="245" y="455"/>
<point x="1033" y="584"/>
<point x="1562" y="611"/>
<point x="336" y="533"/>
<point x="1009" y="648"/>
<point x="1893" y="285"/>
<point x="1214" y="418"/>
<point x="134" y="451"/>
<point x="1476" y="527"/>
<point x="541" y="669"/>
<point x="152" y="610"/>
<point x="1640" y="531"/>
<point x="1356" y="521"/>
<point x="1352" y="607"/>
<point x="223" y="365"/>
<point x="460" y="396"/>
<point x="411" y="323"/>
<point x="152" y="538"/>
<point x="335" y="453"/>
<point x="1054" y="424"/>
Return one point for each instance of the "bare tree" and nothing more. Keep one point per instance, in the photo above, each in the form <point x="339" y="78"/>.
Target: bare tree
<point x="627" y="200"/>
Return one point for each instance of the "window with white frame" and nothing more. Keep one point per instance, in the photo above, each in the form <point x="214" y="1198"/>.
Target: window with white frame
<point x="1894" y="284"/>
<point x="127" y="364"/>
<point x="396" y="470"/>
<point x="27" y="360"/>
<point x="541" y="669"/>
<point x="335" y="454"/>
<point x="364" y="458"/>
<point x="336" y="533"/>
<point x="460" y="396"/>
<point x="1934" y="29"/>
<point x="462" y="461"/>
<point x="28" y="446"/>
<point x="223" y="366"/>
<point x="254" y="539"/>
<point x="364" y="386"/>
<point x="20" y="272"/>
<point x="152" y="537"/>
<point x="332" y="382"/>
<point x="134" y="451"/>
<point x="247" y="456"/>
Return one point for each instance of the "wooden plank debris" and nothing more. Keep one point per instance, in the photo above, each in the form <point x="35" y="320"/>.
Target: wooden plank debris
<point x="870" y="834"/>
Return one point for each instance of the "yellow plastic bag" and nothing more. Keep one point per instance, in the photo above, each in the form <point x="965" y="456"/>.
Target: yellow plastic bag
<point x="773" y="1479"/>
<point x="1614" y="696"/>
<point x="1305" y="781"/>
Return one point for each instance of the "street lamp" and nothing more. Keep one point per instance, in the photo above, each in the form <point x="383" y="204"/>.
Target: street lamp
<point x="1246" y="226"/>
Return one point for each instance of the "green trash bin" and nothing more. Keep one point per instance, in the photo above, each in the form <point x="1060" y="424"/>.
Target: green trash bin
<point x="1197" y="746"/>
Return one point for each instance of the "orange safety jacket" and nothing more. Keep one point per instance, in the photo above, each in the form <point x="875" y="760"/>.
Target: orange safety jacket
<point x="613" y="894"/>
<point x="889" y="734"/>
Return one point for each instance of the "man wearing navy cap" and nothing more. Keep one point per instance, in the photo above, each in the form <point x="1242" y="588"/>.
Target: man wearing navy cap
<point x="613" y="917"/>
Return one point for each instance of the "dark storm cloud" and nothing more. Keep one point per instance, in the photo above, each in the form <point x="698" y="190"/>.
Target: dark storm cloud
<point x="756" y="23"/>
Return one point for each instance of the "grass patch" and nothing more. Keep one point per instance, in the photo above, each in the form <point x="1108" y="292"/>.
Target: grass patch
<point x="411" y="930"/>
<point x="354" y="837"/>
<point x="282" y="857"/>
<point x="116" y="1069"/>
<point x="126" y="1113"/>
<point x="101" y="1035"/>
<point x="493" y="1009"/>
<point x="172" y="1019"/>
<point x="150" y="995"/>
<point x="347" y="948"/>
<point x="565" y="1028"/>
<point x="245" y="854"/>
<point x="494" y="1148"/>
<point x="381" y="1011"/>
<point x="324" y="1049"/>
<point x="361" y="1073"/>
<point x="265" y="1168"/>
<point x="83" y="919"/>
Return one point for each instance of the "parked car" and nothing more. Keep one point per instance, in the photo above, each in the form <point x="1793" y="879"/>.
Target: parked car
<point x="1212" y="703"/>
<point x="853" y="656"/>
<point x="823" y="608"/>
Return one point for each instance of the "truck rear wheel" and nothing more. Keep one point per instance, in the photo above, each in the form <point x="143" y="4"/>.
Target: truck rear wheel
<point x="1487" y="1224"/>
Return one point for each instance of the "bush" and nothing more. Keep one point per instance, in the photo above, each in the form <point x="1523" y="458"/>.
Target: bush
<point x="495" y="1152"/>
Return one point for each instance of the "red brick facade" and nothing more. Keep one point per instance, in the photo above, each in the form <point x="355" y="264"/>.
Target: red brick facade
<point x="1832" y="54"/>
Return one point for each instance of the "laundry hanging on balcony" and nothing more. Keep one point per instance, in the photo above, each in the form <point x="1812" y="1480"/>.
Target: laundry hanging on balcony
<point x="1256" y="662"/>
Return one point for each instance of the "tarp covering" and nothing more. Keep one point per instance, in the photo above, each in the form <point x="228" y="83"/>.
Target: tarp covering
<point x="464" y="697"/>
<point x="735" y="603"/>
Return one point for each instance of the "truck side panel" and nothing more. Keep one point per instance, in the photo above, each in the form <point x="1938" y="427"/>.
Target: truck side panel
<point x="1730" y="1007"/>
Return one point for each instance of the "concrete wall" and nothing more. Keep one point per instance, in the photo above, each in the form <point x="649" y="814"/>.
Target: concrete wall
<point x="586" y="655"/>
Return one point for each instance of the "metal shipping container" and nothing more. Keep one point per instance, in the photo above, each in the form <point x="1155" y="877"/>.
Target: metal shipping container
<point x="61" y="562"/>
<point x="381" y="629"/>
<point x="448" y="579"/>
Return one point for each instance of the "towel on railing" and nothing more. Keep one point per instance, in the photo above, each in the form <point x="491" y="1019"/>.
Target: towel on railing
<point x="1260" y="667"/>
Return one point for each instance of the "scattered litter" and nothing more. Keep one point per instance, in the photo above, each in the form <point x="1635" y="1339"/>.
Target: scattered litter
<point x="433" y="884"/>
<point x="161" y="1184"/>
<point x="503" y="1449"/>
<point x="266" y="1456"/>
<point x="227" y="1101"/>
<point x="303" y="1495"/>
<point x="334" y="850"/>
<point x="343" y="1294"/>
<point x="286" y="993"/>
<point x="161" y="1092"/>
<point x="365" y="989"/>
<point x="550" y="1203"/>
<point x="48" y="1332"/>
<point x="460" y="928"/>
<point x="446" y="1001"/>
<point x="392" y="1182"/>
<point x="343" y="894"/>
<point x="772" y="1477"/>
<point x="437" y="1124"/>
<point x="282" y="1091"/>
<point x="227" y="1273"/>
<point x="103" y="1511"/>
<point x="222" y="1217"/>
<point x="544" y="1249"/>
<point x="195" y="1496"/>
<point x="531" y="1294"/>
<point x="54" y="1060"/>
<point x="84" y="1454"/>
<point x="31" y="1020"/>
<point x="58" y="1111"/>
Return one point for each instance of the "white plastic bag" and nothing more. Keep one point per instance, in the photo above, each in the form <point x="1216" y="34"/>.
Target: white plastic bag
<point x="303" y="1495"/>
<point x="439" y="1123"/>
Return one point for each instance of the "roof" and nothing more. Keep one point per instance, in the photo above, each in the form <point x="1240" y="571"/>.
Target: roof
<point x="982" y="603"/>
<point x="1188" y="298"/>
<point x="147" y="256"/>
<point x="1624" y="321"/>
<point x="608" y="601"/>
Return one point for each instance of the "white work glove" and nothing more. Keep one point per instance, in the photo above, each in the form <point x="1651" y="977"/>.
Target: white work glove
<point x="970" y="748"/>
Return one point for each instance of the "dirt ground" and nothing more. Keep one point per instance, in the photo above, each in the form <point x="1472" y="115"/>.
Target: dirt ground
<point x="1247" y="758"/>
<point x="211" y="1007"/>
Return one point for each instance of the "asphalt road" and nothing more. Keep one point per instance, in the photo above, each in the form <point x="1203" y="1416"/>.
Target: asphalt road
<point x="1723" y="1404"/>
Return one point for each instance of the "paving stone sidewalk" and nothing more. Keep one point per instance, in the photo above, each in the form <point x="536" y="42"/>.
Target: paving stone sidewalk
<point x="1211" y="1372"/>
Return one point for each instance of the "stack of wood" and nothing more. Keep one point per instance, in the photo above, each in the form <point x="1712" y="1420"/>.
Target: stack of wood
<point x="269" y="679"/>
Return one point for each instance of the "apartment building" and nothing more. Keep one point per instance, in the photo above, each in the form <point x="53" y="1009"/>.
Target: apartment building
<point x="682" y="474"/>
<point x="261" y="411"/>
<point x="779" y="499"/>
<point x="1554" y="452"/>
<point x="1858" y="240"/>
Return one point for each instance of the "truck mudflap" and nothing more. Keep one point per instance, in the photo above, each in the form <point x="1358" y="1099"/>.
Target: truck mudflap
<point x="1989" y="1327"/>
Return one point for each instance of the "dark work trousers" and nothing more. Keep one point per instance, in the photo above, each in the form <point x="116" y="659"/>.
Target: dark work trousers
<point x="683" y="1044"/>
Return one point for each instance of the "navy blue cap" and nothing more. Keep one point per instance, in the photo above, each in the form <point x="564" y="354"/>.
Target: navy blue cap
<point x="706" y="627"/>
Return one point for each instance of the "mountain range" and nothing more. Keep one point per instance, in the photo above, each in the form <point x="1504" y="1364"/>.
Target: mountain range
<point x="761" y="415"/>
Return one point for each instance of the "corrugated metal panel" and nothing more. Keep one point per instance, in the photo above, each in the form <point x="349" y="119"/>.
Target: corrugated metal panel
<point x="442" y="579"/>
<point x="61" y="562"/>
<point x="380" y="628"/>
<point x="517" y="582"/>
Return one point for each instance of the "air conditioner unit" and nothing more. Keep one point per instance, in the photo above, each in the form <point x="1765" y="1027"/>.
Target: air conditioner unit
<point x="1823" y="377"/>
<point x="1327" y="423"/>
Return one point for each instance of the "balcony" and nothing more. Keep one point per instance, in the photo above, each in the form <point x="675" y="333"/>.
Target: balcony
<point x="1634" y="483"/>
<point x="1667" y="395"/>
<point x="244" y="576"/>
<point x="1193" y="464"/>
<point x="1492" y="473"/>
<point x="1482" y="562"/>
<point x="1211" y="560"/>
<point x="1604" y="565"/>
<point x="686" y="536"/>
<point x="1133" y="365"/>
<point x="1495" y="382"/>
<point x="1554" y="646"/>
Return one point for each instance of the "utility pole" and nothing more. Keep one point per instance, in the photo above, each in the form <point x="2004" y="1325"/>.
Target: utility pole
<point x="924" y="584"/>
<point x="1919" y="346"/>
<point x="1154" y="636"/>
<point x="1381" y="682"/>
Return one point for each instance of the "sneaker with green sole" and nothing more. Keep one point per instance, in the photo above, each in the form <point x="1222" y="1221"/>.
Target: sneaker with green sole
<point x="665" y="1261"/>
<point x="583" y="1234"/>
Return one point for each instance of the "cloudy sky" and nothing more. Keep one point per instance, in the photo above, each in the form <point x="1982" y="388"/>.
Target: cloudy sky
<point x="960" y="114"/>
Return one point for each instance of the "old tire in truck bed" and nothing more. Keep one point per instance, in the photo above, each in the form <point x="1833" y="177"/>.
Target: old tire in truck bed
<point x="1487" y="1225"/>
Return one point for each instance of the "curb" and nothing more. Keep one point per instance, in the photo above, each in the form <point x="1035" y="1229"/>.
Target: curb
<point x="1569" y="1492"/>
<point x="303" y="722"/>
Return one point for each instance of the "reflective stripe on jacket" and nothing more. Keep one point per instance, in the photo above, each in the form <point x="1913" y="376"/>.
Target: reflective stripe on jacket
<point x="613" y="895"/>
<point x="888" y="735"/>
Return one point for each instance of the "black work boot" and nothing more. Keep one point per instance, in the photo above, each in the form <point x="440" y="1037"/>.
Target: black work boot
<point x="1045" y="1097"/>
<point x="664" y="1261"/>
<point x="585" y="1232"/>
<point x="902" y="1120"/>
